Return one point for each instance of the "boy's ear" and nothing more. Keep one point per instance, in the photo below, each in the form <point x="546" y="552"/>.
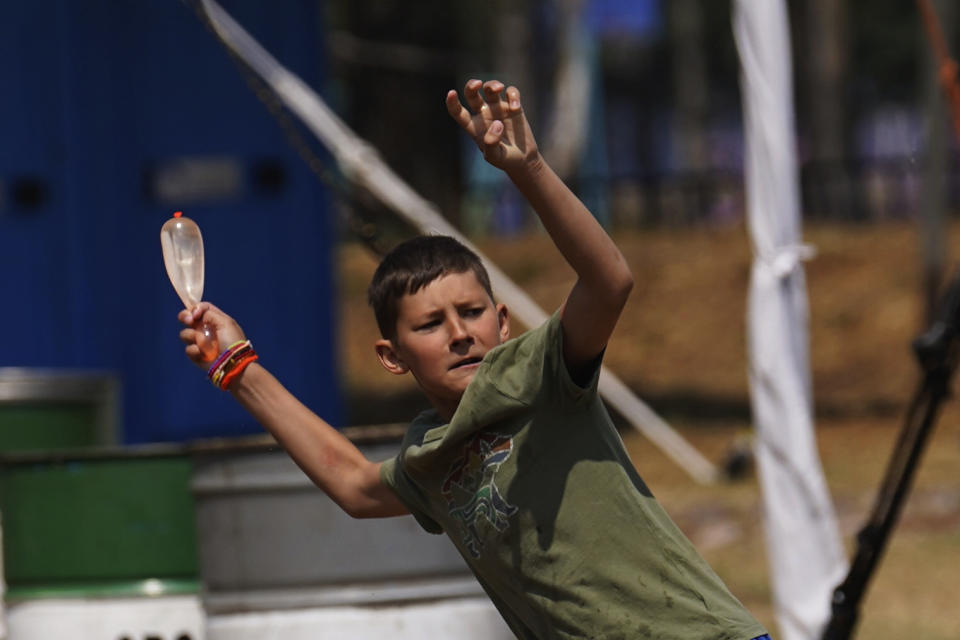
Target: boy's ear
<point x="503" y="317"/>
<point x="389" y="357"/>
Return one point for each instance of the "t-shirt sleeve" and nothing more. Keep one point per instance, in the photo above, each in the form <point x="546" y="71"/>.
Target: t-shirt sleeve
<point x="392" y="475"/>
<point x="521" y="367"/>
<point x="589" y="374"/>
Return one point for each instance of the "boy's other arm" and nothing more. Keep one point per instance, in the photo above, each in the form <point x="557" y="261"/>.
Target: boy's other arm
<point x="604" y="280"/>
<point x="325" y="455"/>
<point x="328" y="458"/>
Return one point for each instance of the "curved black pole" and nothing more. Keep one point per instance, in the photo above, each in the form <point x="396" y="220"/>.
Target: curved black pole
<point x="936" y="350"/>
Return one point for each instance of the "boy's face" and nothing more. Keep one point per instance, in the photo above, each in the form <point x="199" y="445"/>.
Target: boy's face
<point x="443" y="331"/>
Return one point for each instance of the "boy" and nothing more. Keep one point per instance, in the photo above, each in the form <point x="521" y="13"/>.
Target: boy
<point x="518" y="461"/>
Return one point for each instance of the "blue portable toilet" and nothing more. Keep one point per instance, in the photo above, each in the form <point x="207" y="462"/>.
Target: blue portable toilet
<point x="121" y="114"/>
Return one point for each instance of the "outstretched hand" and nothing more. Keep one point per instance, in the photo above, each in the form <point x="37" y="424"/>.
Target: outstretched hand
<point x="497" y="124"/>
<point x="225" y="331"/>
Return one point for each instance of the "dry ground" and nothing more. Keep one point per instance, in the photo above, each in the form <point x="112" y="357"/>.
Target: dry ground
<point x="681" y="346"/>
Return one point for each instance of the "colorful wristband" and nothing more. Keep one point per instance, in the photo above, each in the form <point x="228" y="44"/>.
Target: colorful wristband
<point x="229" y="351"/>
<point x="231" y="363"/>
<point x="237" y="369"/>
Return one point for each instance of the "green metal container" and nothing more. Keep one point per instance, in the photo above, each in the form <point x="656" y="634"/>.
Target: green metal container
<point x="44" y="409"/>
<point x="98" y="523"/>
<point x="36" y="426"/>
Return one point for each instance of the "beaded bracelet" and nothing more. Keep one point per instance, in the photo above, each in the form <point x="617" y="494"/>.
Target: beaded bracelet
<point x="228" y="364"/>
<point x="228" y="361"/>
<point x="229" y="351"/>
<point x="231" y="363"/>
<point x="237" y="369"/>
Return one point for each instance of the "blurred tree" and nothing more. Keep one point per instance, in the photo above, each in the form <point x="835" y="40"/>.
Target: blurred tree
<point x="938" y="134"/>
<point x="512" y="43"/>
<point x="570" y="111"/>
<point x="825" y="70"/>
<point x="391" y="64"/>
<point x="690" y="83"/>
<point x="392" y="61"/>
<point x="822" y="51"/>
<point x="884" y="36"/>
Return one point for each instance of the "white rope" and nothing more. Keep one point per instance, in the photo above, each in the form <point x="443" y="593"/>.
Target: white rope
<point x="361" y="163"/>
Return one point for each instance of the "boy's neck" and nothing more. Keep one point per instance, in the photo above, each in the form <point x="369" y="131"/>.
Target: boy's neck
<point x="446" y="413"/>
<point x="445" y="408"/>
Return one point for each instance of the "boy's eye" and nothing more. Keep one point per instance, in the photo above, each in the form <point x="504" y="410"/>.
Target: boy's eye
<point x="429" y="324"/>
<point x="474" y="312"/>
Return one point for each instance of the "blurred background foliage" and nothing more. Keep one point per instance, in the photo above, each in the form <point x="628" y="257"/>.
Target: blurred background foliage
<point x="662" y="139"/>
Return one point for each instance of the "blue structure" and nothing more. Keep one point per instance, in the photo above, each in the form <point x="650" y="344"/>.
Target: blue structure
<point x="114" y="115"/>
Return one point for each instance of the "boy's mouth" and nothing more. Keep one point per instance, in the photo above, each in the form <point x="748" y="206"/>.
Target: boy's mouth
<point x="466" y="362"/>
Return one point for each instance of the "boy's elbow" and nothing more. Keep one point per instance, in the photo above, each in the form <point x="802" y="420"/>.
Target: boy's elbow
<point x="627" y="283"/>
<point x="367" y="497"/>
<point x="357" y="507"/>
<point x="621" y="286"/>
<point x="366" y="509"/>
<point x="355" y="511"/>
<point x="611" y="291"/>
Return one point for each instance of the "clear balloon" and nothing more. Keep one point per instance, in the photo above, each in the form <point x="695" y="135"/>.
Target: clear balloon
<point x="182" y="245"/>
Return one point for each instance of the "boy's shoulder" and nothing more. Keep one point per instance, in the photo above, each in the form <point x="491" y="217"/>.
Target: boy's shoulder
<point x="419" y="427"/>
<point x="527" y="370"/>
<point x="531" y="344"/>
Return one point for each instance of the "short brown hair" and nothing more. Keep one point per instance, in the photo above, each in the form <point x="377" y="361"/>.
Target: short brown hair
<point x="412" y="265"/>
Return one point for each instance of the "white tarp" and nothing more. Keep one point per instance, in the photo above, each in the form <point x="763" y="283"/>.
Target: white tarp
<point x="805" y="552"/>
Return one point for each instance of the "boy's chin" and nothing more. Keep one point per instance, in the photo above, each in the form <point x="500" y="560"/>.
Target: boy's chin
<point x="463" y="381"/>
<point x="468" y="373"/>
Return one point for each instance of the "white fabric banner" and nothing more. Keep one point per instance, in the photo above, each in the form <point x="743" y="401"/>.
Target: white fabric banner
<point x="806" y="556"/>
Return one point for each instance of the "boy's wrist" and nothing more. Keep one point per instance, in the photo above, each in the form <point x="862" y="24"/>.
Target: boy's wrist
<point x="231" y="363"/>
<point x="527" y="170"/>
<point x="245" y="381"/>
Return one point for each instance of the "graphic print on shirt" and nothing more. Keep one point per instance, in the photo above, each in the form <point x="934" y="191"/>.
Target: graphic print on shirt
<point x="470" y="492"/>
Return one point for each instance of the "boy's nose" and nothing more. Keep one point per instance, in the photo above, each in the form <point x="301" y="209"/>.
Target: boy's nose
<point x="458" y="331"/>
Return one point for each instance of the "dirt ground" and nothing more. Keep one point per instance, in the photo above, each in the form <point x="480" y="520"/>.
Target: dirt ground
<point x="681" y="346"/>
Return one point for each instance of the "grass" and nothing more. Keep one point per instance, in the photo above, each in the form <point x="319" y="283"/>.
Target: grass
<point x="681" y="346"/>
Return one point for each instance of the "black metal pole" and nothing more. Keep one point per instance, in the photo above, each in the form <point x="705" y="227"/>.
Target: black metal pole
<point x="936" y="349"/>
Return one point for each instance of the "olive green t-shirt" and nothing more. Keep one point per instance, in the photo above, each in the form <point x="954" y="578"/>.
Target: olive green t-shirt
<point x="532" y="483"/>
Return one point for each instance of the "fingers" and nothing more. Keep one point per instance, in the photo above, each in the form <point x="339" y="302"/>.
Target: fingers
<point x="513" y="101"/>
<point x="493" y="98"/>
<point x="460" y="115"/>
<point x="204" y="312"/>
<point x="504" y="101"/>
<point x="475" y="120"/>
<point x="226" y="329"/>
<point x="190" y="316"/>
<point x="489" y="115"/>
<point x="493" y="134"/>
<point x="471" y="93"/>
<point x="189" y="338"/>
<point x="207" y="317"/>
<point x="500" y="101"/>
<point x="208" y="313"/>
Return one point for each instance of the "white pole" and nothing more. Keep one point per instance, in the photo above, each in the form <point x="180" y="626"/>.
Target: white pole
<point x="806" y="556"/>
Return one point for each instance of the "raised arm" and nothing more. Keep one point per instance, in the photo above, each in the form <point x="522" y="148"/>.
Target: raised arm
<point x="328" y="458"/>
<point x="496" y="122"/>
